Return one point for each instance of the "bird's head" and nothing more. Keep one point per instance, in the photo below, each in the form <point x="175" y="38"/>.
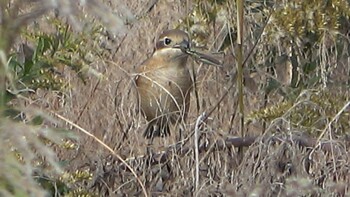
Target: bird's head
<point x="173" y="44"/>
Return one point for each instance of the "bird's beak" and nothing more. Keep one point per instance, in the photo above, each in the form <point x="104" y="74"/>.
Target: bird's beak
<point x="184" y="46"/>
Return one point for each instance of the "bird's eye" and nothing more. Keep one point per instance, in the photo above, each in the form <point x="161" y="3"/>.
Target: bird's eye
<point x="167" y="41"/>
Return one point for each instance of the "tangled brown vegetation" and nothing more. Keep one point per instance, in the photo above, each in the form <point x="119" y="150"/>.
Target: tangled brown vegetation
<point x="296" y="102"/>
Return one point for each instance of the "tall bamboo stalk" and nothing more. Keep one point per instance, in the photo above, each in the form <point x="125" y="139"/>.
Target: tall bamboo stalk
<point x="239" y="63"/>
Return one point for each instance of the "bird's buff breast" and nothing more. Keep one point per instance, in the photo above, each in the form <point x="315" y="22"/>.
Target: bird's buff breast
<point x="164" y="90"/>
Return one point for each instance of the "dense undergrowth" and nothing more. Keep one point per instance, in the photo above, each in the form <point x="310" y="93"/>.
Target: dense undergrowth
<point x="62" y="72"/>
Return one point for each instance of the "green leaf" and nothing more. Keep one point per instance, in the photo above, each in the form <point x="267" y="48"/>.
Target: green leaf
<point x="309" y="67"/>
<point x="9" y="96"/>
<point x="37" y="120"/>
<point x="272" y="85"/>
<point x="28" y="65"/>
<point x="14" y="64"/>
<point x="12" y="114"/>
<point x="313" y="81"/>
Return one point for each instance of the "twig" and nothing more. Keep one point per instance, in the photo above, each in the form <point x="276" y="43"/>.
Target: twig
<point x="196" y="148"/>
<point x="300" y="140"/>
<point x="105" y="146"/>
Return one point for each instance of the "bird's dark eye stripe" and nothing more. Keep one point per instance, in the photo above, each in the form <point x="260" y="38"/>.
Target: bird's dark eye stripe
<point x="167" y="41"/>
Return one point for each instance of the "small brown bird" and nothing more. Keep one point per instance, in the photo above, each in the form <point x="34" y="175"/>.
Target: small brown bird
<point x="164" y="83"/>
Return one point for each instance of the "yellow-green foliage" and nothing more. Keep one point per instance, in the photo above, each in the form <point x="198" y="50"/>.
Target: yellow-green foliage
<point x="289" y="18"/>
<point x="270" y="113"/>
<point x="199" y="21"/>
<point x="299" y="17"/>
<point x="311" y="113"/>
<point x="75" y="178"/>
<point x="43" y="65"/>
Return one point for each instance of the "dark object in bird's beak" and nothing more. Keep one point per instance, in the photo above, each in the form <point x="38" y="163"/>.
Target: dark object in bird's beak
<point x="198" y="56"/>
<point x="204" y="58"/>
<point x="184" y="46"/>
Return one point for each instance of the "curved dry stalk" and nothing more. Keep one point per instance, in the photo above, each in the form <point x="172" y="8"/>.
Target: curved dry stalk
<point x="105" y="146"/>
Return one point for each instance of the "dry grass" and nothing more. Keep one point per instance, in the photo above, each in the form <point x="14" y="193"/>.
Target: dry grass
<point x="106" y="107"/>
